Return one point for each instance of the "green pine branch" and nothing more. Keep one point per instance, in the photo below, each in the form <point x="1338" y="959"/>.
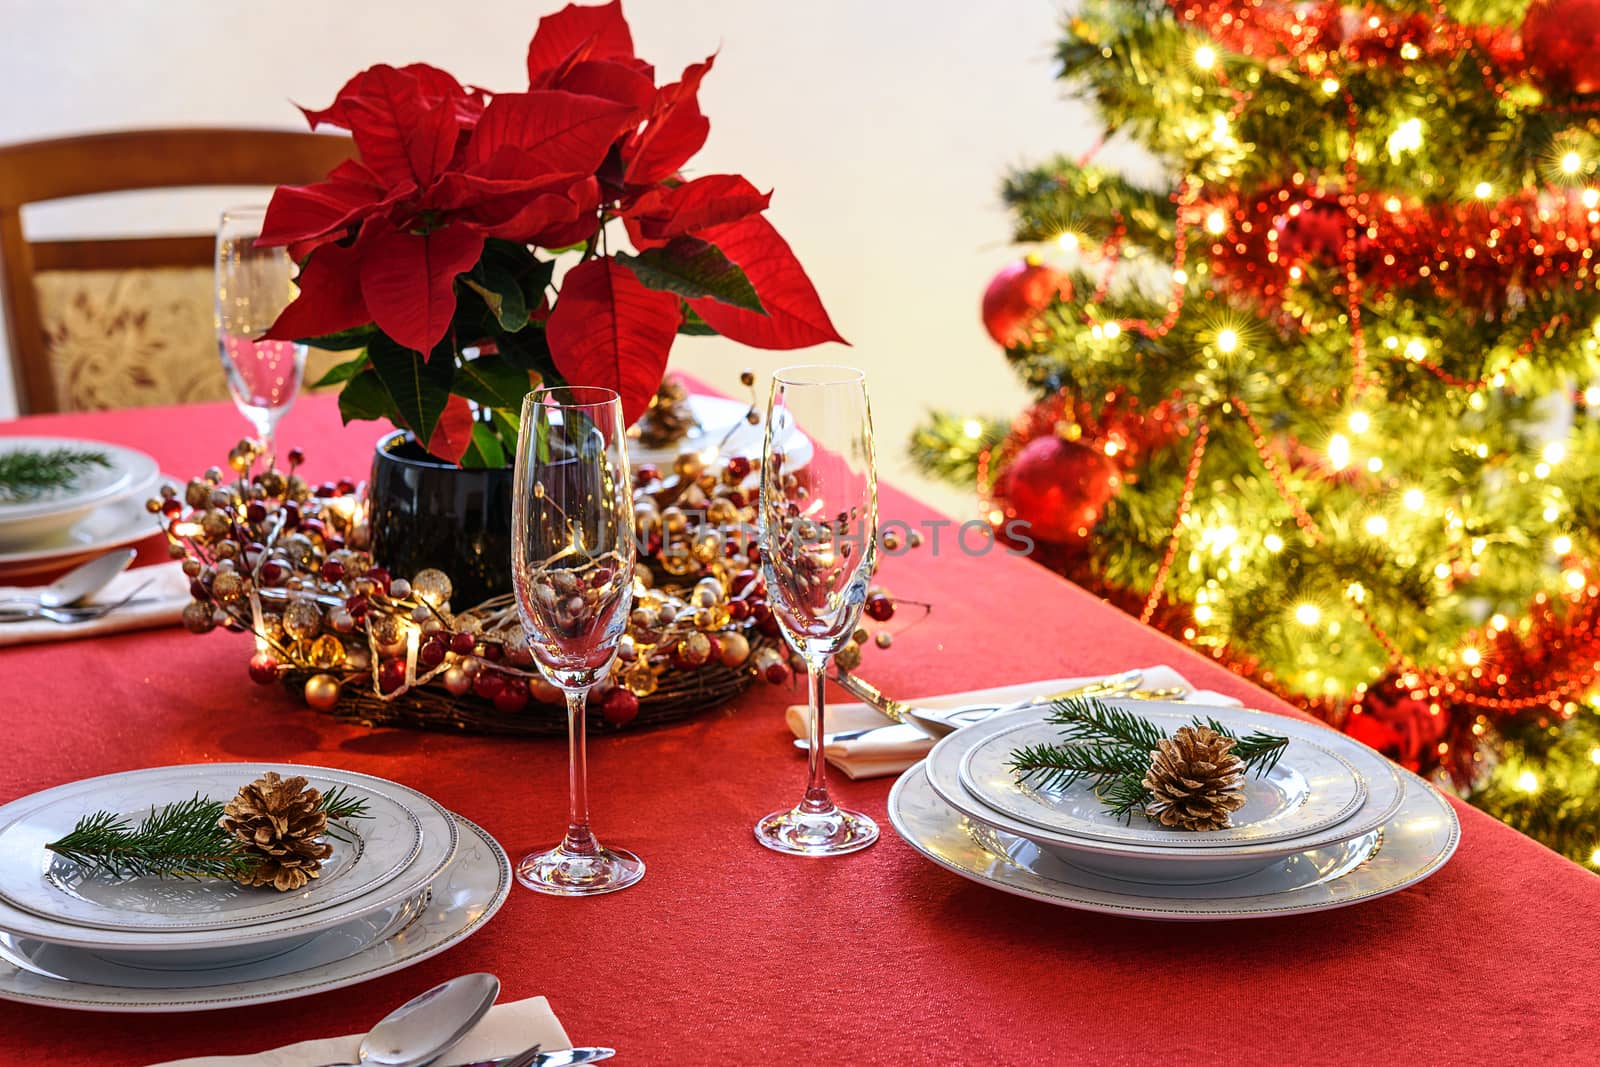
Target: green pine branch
<point x="184" y="839"/>
<point x="29" y="473"/>
<point x="1110" y="748"/>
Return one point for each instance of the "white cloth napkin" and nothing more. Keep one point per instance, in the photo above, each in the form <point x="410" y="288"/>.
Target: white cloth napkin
<point x="163" y="602"/>
<point x="871" y="757"/>
<point x="505" y="1031"/>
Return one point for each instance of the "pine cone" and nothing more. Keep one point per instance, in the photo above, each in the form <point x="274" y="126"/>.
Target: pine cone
<point x="280" y="824"/>
<point x="1196" y="779"/>
<point x="669" y="418"/>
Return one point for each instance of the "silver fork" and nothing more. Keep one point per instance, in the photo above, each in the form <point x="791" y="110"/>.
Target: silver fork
<point x="68" y="616"/>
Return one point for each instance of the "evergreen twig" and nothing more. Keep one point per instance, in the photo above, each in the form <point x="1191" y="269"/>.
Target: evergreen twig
<point x="29" y="473"/>
<point x="183" y="839"/>
<point x="1110" y="748"/>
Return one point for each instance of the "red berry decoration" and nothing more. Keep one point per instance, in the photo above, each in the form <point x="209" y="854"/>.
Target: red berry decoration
<point x="487" y="685"/>
<point x="332" y="570"/>
<point x="431" y="654"/>
<point x="776" y="673"/>
<point x="647" y="473"/>
<point x="462" y="644"/>
<point x="739" y="467"/>
<point x="620" y="707"/>
<point x="1016" y="296"/>
<point x="1059" y="488"/>
<point x="1561" y="42"/>
<point x="391" y="675"/>
<point x="880" y="607"/>
<point x="263" y="668"/>
<point x="296" y="457"/>
<point x="511" y="699"/>
<point x="380" y="577"/>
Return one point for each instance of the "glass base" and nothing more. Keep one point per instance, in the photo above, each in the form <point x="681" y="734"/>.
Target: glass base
<point x="571" y="874"/>
<point x="804" y="833"/>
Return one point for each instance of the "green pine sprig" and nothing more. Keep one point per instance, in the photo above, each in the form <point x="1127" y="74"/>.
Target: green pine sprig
<point x="183" y="839"/>
<point x="1110" y="748"/>
<point x="29" y="473"/>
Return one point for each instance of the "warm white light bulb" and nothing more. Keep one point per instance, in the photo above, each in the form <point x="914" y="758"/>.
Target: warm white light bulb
<point x="1471" y="657"/>
<point x="1412" y="499"/>
<point x="1272" y="543"/>
<point x="1561" y="545"/>
<point x="1377" y="526"/>
<point x="1308" y="614"/>
<point x="1113" y="329"/>
<point x="1339" y="451"/>
<point x="1067" y="241"/>
<point x="1227" y="341"/>
<point x="1571" y="163"/>
<point x="1483" y="191"/>
<point x="1205" y="57"/>
<point x="1575" y="580"/>
<point x="1360" y="422"/>
<point x="972" y="428"/>
<point x="1216" y="224"/>
<point x="1330" y="85"/>
<point x="1554" y="452"/>
<point x="1528" y="782"/>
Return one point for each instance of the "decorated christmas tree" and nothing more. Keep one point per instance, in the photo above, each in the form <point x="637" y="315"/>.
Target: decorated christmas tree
<point x="1322" y="403"/>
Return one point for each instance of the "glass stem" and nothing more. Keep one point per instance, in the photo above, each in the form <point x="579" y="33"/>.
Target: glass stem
<point x="579" y="840"/>
<point x="817" y="801"/>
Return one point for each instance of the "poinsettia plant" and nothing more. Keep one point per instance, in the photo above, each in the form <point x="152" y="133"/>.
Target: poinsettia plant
<point x="434" y="251"/>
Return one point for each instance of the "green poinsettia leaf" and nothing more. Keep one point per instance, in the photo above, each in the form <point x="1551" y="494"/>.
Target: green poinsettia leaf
<point x="693" y="268"/>
<point x="341" y="372"/>
<point x="364" y="397"/>
<point x="343" y="340"/>
<point x="693" y="325"/>
<point x="418" y="388"/>
<point x="485" y="452"/>
<point x="492" y="381"/>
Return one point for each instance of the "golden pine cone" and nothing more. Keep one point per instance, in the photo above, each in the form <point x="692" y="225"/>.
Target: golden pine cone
<point x="1196" y="780"/>
<point x="280" y="823"/>
<point x="669" y="418"/>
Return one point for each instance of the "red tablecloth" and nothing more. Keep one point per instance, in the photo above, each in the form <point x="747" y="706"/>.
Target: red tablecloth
<point x="727" y="952"/>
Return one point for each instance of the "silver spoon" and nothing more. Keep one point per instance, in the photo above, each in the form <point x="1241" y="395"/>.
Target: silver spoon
<point x="427" y="1026"/>
<point x="80" y="582"/>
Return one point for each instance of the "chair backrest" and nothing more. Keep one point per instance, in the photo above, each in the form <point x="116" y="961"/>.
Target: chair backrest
<point x="116" y="162"/>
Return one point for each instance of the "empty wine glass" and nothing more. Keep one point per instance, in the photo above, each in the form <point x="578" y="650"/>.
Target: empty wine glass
<point x="253" y="285"/>
<point x="819" y="535"/>
<point x="572" y="563"/>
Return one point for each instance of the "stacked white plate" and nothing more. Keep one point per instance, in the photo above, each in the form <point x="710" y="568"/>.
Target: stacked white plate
<point x="404" y="882"/>
<point x="1332" y="823"/>
<point x="100" y="509"/>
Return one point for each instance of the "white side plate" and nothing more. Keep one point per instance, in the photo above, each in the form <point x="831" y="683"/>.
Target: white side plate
<point x="24" y="523"/>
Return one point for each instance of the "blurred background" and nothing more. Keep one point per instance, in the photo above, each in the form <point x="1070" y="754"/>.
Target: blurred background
<point x="884" y="129"/>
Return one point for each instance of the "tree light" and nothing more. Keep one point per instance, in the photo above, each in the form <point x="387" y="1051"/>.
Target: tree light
<point x="1483" y="191"/>
<point x="1498" y="621"/>
<point x="1227" y="341"/>
<point x="1412" y="499"/>
<point x="1360" y="422"/>
<point x="1571" y="163"/>
<point x="1591" y="396"/>
<point x="1202" y="613"/>
<point x="1416" y="351"/>
<point x="1216" y="224"/>
<point x="1330" y="85"/>
<point x="1594" y="857"/>
<point x="1272" y="543"/>
<point x="1308" y="614"/>
<point x="1594" y="755"/>
<point x="1409" y="51"/>
<point x="972" y="428"/>
<point x="1339" y="451"/>
<point x="1552" y="513"/>
<point x="1554" y="452"/>
<point x="1377" y="526"/>
<point x="1575" y="580"/>
<point x="1205" y="57"/>
<point x="1561" y="545"/>
<point x="1407" y="137"/>
<point x="1067" y="241"/>
<point x="1113" y="329"/>
<point x="1528" y="782"/>
<point x="1471" y="656"/>
<point x="1181" y="276"/>
<point x="1374" y="464"/>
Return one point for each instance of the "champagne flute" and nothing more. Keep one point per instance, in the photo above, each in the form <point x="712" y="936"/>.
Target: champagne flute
<point x="572" y="561"/>
<point x="253" y="285"/>
<point x="819" y="536"/>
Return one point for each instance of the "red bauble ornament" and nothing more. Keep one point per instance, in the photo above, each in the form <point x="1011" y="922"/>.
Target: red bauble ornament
<point x="619" y="707"/>
<point x="263" y="668"/>
<point x="1561" y="43"/>
<point x="1059" y="488"/>
<point x="1016" y="296"/>
<point x="1401" y="726"/>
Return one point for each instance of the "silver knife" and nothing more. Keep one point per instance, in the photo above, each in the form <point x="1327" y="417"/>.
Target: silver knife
<point x="560" y="1058"/>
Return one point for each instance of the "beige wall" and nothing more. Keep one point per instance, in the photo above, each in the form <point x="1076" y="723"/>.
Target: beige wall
<point x="883" y="125"/>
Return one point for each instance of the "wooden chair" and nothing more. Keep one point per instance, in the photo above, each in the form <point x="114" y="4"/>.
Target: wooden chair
<point x="114" y="162"/>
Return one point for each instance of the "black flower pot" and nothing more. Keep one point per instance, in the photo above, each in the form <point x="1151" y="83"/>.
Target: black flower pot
<point x="427" y="513"/>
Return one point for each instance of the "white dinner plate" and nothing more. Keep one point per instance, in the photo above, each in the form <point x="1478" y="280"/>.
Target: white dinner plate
<point x="1408" y="848"/>
<point x="722" y="426"/>
<point x="1164" y="864"/>
<point x="439" y="839"/>
<point x="27" y="523"/>
<point x="121" y="522"/>
<point x="464" y="897"/>
<point x="1309" y="788"/>
<point x="367" y="853"/>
